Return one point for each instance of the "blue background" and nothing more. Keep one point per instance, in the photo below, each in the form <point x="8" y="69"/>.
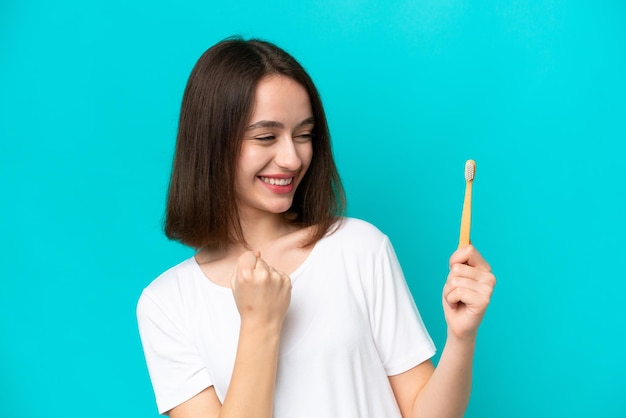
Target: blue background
<point x="535" y="92"/>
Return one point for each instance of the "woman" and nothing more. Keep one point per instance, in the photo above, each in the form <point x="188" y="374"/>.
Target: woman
<point x="288" y="309"/>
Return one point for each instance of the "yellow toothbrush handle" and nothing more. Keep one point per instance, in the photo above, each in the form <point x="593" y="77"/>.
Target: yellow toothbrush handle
<point x="466" y="217"/>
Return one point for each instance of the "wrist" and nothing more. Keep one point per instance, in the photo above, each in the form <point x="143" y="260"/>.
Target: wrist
<point x="255" y="326"/>
<point x="464" y="343"/>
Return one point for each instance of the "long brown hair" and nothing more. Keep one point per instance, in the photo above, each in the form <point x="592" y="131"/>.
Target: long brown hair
<point x="217" y="104"/>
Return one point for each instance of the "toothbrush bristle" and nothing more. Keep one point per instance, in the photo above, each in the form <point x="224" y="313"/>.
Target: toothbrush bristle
<point x="470" y="170"/>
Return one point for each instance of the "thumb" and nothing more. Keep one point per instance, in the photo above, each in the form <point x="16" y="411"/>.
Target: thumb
<point x="246" y="261"/>
<point x="470" y="256"/>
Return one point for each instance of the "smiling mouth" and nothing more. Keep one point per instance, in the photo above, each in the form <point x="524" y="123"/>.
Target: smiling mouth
<point x="276" y="182"/>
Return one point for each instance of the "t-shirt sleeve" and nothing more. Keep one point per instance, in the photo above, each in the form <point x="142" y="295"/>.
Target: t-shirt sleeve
<point x="175" y="367"/>
<point x="401" y="337"/>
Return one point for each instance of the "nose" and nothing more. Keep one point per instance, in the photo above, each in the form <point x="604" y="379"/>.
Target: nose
<point x="287" y="156"/>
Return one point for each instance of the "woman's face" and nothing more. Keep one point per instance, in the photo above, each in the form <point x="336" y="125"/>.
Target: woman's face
<point x="276" y="150"/>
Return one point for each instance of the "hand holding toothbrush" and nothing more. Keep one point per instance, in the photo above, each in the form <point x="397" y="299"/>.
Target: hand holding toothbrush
<point x="467" y="293"/>
<point x="470" y="283"/>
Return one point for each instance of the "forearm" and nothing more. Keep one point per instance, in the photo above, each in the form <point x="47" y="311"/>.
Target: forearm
<point x="251" y="389"/>
<point x="447" y="392"/>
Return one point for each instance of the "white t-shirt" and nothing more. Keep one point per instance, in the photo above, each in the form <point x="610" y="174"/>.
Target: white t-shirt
<point x="351" y="323"/>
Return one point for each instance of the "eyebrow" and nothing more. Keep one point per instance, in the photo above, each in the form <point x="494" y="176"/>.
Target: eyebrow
<point x="274" y="124"/>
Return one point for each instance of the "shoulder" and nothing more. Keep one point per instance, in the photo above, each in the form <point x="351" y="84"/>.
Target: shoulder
<point x="170" y="285"/>
<point x="359" y="235"/>
<point x="363" y="230"/>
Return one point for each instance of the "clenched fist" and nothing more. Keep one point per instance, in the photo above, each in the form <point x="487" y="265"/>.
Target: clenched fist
<point x="467" y="292"/>
<point x="262" y="293"/>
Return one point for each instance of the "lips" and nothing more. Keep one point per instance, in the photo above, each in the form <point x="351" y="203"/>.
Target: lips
<point x="277" y="181"/>
<point x="279" y="184"/>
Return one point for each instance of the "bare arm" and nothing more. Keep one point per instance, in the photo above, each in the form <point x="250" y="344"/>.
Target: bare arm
<point x="262" y="295"/>
<point x="424" y="392"/>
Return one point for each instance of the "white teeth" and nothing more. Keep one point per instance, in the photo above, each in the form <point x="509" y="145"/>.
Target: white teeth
<point x="276" y="182"/>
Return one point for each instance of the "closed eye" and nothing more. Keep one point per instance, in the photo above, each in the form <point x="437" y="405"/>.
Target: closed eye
<point x="304" y="137"/>
<point x="265" y="138"/>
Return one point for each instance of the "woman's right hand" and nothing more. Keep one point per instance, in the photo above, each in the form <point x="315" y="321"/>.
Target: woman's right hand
<point x="262" y="293"/>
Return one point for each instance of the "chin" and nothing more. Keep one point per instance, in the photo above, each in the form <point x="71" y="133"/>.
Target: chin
<point x="279" y="211"/>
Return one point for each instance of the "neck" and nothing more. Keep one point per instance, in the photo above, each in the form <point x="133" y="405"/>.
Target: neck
<point x="261" y="234"/>
<point x="261" y="231"/>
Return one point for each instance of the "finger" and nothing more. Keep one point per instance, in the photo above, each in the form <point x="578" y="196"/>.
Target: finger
<point x="284" y="278"/>
<point x="464" y="270"/>
<point x="470" y="256"/>
<point x="262" y="265"/>
<point x="247" y="260"/>
<point x="275" y="270"/>
<point x="274" y="274"/>
<point x="243" y="267"/>
<point x="467" y="284"/>
<point x="277" y="274"/>
<point x="476" y="301"/>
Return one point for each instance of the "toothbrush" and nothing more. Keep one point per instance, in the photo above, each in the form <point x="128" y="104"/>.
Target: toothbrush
<point x="466" y="217"/>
